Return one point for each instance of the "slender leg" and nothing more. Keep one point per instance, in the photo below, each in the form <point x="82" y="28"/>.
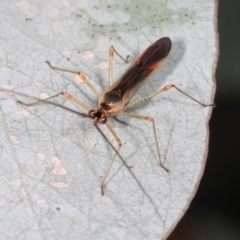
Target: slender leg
<point x="81" y="75"/>
<point x="66" y="95"/>
<point x="111" y="51"/>
<point x="154" y="131"/>
<point x="114" y="156"/>
<point x="170" y="86"/>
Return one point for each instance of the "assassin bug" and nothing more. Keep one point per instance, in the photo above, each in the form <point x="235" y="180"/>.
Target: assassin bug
<point x="117" y="96"/>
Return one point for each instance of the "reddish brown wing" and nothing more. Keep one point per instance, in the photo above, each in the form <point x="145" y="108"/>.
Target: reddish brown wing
<point x="125" y="87"/>
<point x="155" y="54"/>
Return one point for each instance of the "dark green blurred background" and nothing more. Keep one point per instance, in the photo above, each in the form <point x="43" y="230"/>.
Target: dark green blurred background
<point x="215" y="211"/>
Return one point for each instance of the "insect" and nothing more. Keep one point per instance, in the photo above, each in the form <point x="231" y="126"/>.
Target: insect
<point x="117" y="96"/>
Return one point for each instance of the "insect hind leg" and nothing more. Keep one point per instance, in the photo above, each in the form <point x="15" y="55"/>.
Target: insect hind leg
<point x="147" y="118"/>
<point x="168" y="87"/>
<point x="111" y="51"/>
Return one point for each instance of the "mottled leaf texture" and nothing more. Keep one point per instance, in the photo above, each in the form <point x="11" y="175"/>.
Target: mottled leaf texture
<point x="52" y="160"/>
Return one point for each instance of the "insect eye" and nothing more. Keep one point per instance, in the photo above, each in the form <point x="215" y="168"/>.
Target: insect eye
<point x="103" y="120"/>
<point x="91" y="113"/>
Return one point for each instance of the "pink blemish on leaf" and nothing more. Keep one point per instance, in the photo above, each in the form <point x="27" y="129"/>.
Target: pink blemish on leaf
<point x="41" y="156"/>
<point x="58" y="185"/>
<point x="41" y="203"/>
<point x="102" y="65"/>
<point x="12" y="138"/>
<point x="8" y="89"/>
<point x="87" y="55"/>
<point x="78" y="80"/>
<point x="23" y="113"/>
<point x="43" y="95"/>
<point x="58" y="168"/>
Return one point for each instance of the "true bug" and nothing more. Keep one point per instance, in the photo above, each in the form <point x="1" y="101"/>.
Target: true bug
<point x="117" y="96"/>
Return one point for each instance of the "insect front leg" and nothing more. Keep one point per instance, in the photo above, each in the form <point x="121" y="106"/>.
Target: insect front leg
<point x="114" y="156"/>
<point x="65" y="94"/>
<point x="147" y="118"/>
<point x="80" y="74"/>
